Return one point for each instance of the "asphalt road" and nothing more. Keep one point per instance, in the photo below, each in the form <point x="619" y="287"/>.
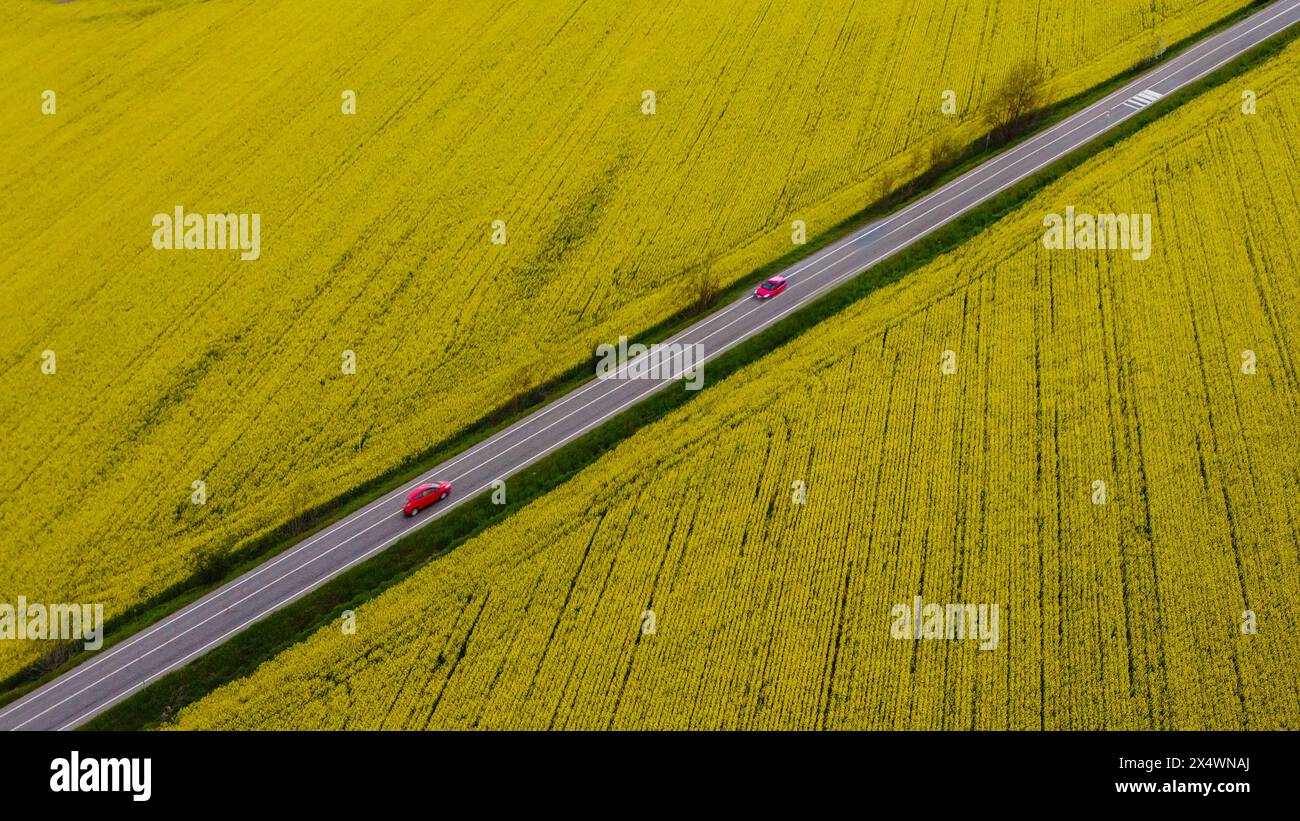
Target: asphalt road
<point x="124" y="669"/>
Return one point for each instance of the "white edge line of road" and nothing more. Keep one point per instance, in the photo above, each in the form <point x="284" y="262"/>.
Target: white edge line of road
<point x="982" y="171"/>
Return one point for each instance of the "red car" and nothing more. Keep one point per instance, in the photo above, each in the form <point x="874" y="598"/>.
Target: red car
<point x="770" y="288"/>
<point x="425" y="495"/>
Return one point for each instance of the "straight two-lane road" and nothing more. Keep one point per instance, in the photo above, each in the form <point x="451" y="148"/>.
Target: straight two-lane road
<point x="125" y="668"/>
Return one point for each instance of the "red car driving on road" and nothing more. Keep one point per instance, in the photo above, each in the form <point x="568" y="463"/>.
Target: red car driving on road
<point x="770" y="288"/>
<point x="425" y="495"/>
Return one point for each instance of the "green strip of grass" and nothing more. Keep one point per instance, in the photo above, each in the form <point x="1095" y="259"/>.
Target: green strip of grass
<point x="242" y="654"/>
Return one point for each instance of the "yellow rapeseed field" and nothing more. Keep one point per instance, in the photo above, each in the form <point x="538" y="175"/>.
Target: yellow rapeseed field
<point x="1120" y="607"/>
<point x="129" y="373"/>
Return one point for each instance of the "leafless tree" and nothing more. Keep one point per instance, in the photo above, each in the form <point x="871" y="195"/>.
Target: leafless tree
<point x="1011" y="105"/>
<point x="704" y="289"/>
